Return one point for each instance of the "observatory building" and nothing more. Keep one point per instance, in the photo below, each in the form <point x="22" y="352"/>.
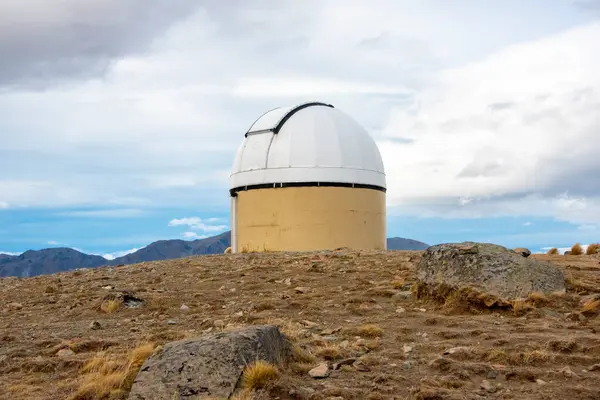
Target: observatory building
<point x="307" y="178"/>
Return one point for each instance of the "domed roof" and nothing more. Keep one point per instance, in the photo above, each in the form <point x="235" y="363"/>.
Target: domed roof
<point x="310" y="143"/>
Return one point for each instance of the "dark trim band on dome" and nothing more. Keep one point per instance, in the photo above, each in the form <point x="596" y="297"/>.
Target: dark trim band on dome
<point x="289" y="115"/>
<point x="233" y="192"/>
<point x="294" y="111"/>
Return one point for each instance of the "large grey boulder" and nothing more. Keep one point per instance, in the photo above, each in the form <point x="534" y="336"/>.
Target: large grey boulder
<point x="209" y="366"/>
<point x="489" y="268"/>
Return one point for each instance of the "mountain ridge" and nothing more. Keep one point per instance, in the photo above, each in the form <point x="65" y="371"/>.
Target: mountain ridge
<point x="61" y="259"/>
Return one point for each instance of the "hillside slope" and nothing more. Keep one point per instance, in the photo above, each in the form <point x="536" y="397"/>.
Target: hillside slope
<point x="169" y="249"/>
<point x="335" y="305"/>
<point x="397" y="243"/>
<point x="47" y="261"/>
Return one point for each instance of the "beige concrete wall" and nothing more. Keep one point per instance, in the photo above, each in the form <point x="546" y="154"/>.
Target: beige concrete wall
<point x="310" y="218"/>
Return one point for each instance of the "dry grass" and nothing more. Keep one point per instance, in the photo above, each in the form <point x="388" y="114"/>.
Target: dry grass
<point x="520" y="348"/>
<point x="292" y="330"/>
<point x="157" y="303"/>
<point x="20" y="388"/>
<point x="538" y="298"/>
<point x="553" y="251"/>
<point x="591" y="307"/>
<point x="576" y="249"/>
<point x="265" y="305"/>
<point x="521" y="307"/>
<point x="531" y="357"/>
<point x="260" y="374"/>
<point x="592" y="249"/>
<point x="302" y="356"/>
<point x="369" y="330"/>
<point x="111" y="377"/>
<point x="398" y="283"/>
<point x="242" y="395"/>
<point x="329" y="352"/>
<point x="110" y="306"/>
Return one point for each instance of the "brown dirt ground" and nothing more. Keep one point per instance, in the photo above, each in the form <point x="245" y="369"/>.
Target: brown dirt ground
<point x="542" y="352"/>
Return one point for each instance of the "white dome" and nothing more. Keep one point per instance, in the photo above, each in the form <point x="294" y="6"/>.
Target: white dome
<point x="310" y="143"/>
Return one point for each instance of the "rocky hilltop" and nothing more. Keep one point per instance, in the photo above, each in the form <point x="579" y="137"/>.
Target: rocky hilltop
<point x="358" y="322"/>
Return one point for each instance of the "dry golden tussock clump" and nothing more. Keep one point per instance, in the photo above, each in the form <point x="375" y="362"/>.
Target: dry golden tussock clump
<point x="259" y="375"/>
<point x="110" y="306"/>
<point x="591" y="307"/>
<point x="518" y="358"/>
<point x="302" y="356"/>
<point x="521" y="307"/>
<point x="369" y="330"/>
<point x="576" y="249"/>
<point x="157" y="303"/>
<point x="553" y="251"/>
<point x="329" y="352"/>
<point x="538" y="298"/>
<point x="292" y="330"/>
<point x="107" y="376"/>
<point x="398" y="283"/>
<point x="592" y="249"/>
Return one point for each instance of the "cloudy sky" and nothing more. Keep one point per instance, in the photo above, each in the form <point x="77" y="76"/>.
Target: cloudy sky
<point x="119" y="119"/>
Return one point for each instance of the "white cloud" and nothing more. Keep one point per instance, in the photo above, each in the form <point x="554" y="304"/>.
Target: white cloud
<point x="160" y="123"/>
<point x="193" y="235"/>
<point x="516" y="131"/>
<point x="527" y="223"/>
<point x="307" y="86"/>
<point x="8" y="253"/>
<point x="588" y="227"/>
<point x="111" y="213"/>
<point x="3" y="204"/>
<point x="196" y="223"/>
<point x="117" y="254"/>
<point x="53" y="243"/>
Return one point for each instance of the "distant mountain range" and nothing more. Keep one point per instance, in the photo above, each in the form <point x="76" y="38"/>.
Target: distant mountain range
<point x="59" y="259"/>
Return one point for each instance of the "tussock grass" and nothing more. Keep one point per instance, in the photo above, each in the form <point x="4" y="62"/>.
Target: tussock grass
<point x="398" y="283"/>
<point x="110" y="306"/>
<point x="576" y="249"/>
<point x="301" y="368"/>
<point x="369" y="330"/>
<point x="553" y="251"/>
<point x="264" y="305"/>
<point x="302" y="356"/>
<point x="562" y="346"/>
<point x="106" y="376"/>
<point x="157" y="303"/>
<point x="577" y="285"/>
<point x="521" y="307"/>
<point x="591" y="307"/>
<point x="538" y="298"/>
<point x="243" y="395"/>
<point x="329" y="352"/>
<point x="530" y="357"/>
<point x="259" y="375"/>
<point x="293" y="330"/>
<point x="496" y="355"/>
<point x="592" y="249"/>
